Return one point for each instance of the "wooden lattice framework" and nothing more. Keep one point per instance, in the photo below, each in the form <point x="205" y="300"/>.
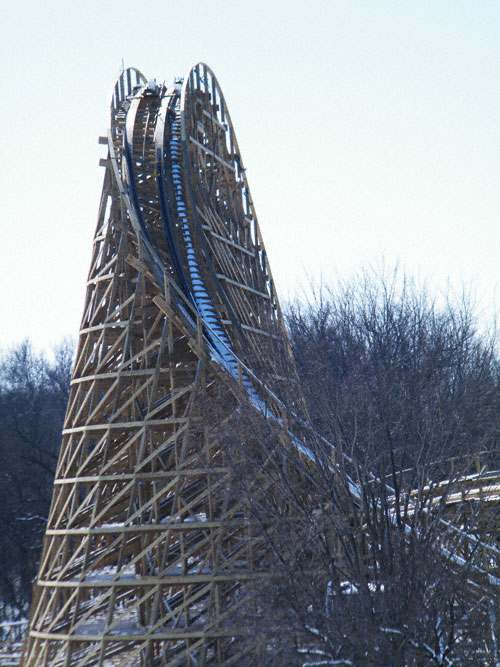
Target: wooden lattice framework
<point x="146" y="550"/>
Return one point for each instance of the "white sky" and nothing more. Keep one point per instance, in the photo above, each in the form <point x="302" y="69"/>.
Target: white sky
<point x="369" y="129"/>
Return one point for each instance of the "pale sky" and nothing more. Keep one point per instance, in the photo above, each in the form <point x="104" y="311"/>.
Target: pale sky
<point x="369" y="129"/>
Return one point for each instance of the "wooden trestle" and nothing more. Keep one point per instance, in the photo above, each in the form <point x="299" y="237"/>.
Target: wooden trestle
<point x="147" y="550"/>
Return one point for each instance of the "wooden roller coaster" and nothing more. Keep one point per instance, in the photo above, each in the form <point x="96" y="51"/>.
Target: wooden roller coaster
<point x="148" y="550"/>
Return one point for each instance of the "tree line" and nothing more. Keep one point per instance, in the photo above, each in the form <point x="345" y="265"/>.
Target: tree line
<point x="408" y="392"/>
<point x="33" y="395"/>
<point x="378" y="559"/>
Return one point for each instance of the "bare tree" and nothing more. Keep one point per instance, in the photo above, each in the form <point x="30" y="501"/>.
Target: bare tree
<point x="33" y="396"/>
<point x="398" y="380"/>
<point x="375" y="544"/>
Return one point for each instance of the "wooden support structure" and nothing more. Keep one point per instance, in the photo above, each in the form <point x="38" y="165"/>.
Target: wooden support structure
<point x="149" y="554"/>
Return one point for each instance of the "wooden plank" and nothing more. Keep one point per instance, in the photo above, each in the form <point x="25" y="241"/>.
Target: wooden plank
<point x="208" y="151"/>
<point x="242" y="286"/>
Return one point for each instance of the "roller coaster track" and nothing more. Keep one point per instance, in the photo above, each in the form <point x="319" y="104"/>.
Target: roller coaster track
<point x="147" y="550"/>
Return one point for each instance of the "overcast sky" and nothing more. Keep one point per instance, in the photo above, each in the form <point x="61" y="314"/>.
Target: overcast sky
<point x="369" y="130"/>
